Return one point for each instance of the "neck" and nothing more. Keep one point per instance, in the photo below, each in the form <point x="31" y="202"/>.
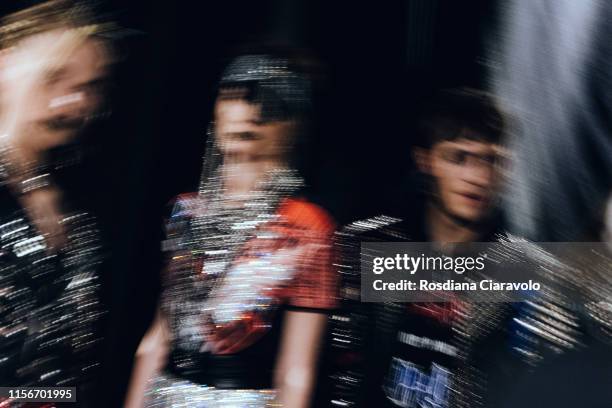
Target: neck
<point x="241" y="178"/>
<point x="443" y="229"/>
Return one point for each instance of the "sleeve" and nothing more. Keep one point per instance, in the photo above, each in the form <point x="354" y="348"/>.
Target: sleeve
<point x="177" y="225"/>
<point x="315" y="283"/>
<point x="175" y="245"/>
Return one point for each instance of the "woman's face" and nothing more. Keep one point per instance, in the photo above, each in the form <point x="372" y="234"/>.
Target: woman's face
<point x="243" y="137"/>
<point x="52" y="83"/>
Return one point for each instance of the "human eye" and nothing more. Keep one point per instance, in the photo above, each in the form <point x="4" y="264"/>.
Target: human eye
<point x="455" y="156"/>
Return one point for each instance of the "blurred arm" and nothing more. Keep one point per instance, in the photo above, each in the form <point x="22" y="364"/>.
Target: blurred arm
<point x="149" y="359"/>
<point x="296" y="366"/>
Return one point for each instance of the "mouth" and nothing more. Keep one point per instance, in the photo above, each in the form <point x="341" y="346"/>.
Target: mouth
<point x="64" y="123"/>
<point x="475" y="198"/>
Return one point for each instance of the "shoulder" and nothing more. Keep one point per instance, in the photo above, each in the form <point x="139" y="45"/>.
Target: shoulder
<point x="304" y="214"/>
<point x="183" y="204"/>
<point x="184" y="198"/>
<point x="379" y="228"/>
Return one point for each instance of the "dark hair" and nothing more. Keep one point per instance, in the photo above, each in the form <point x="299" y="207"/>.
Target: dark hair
<point x="460" y="113"/>
<point x="270" y="81"/>
<point x="272" y="106"/>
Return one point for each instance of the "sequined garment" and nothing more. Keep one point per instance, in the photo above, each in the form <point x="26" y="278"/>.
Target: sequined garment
<point x="232" y="271"/>
<point x="203" y="228"/>
<point x="173" y="392"/>
<point x="48" y="301"/>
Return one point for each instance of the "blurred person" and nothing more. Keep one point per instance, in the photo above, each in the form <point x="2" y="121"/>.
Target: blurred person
<point x="52" y="67"/>
<point x="458" y="153"/>
<point x="249" y="278"/>
<point x="455" y="353"/>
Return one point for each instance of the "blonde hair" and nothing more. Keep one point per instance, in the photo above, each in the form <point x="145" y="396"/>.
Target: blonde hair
<point x="73" y="21"/>
<point x="48" y="16"/>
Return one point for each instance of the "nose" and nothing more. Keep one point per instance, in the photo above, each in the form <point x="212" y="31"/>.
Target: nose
<point x="479" y="175"/>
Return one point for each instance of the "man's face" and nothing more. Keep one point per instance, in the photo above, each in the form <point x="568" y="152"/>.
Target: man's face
<point x="242" y="136"/>
<point x="53" y="83"/>
<point x="466" y="176"/>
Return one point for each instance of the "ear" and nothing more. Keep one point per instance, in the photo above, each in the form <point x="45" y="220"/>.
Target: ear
<point x="421" y="158"/>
